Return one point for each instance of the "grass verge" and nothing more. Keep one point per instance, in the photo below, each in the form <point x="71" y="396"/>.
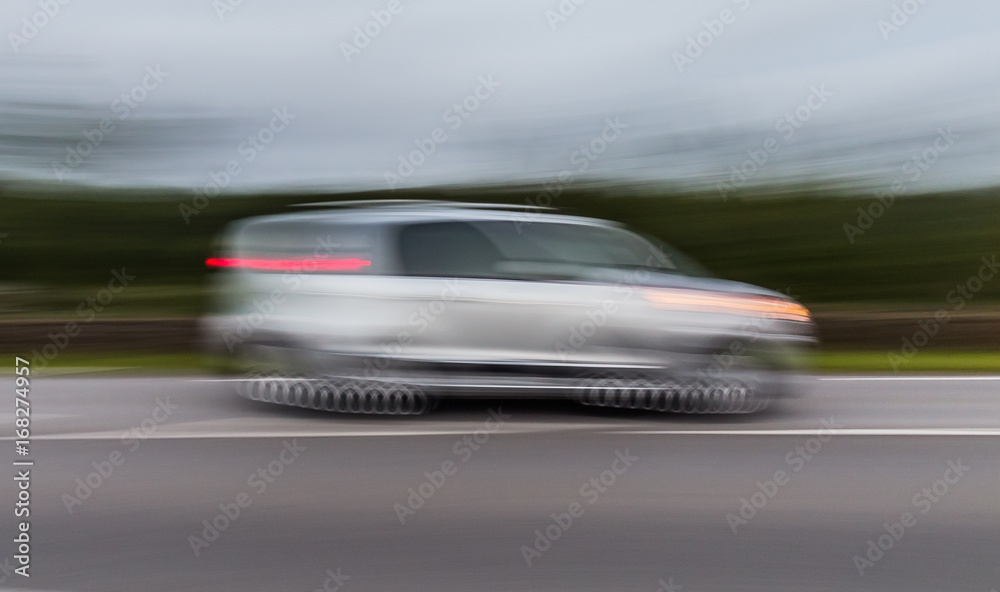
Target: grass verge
<point x="924" y="361"/>
<point x="194" y="363"/>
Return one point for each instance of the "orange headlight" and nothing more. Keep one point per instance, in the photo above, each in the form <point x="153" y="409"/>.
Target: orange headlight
<point x="772" y="308"/>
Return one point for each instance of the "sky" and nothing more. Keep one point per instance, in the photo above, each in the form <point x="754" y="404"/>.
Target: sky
<point x="228" y="96"/>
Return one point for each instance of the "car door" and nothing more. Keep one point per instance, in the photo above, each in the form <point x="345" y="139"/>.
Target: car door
<point x="475" y="300"/>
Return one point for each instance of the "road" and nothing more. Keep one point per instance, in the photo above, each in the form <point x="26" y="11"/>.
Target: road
<point x="508" y="496"/>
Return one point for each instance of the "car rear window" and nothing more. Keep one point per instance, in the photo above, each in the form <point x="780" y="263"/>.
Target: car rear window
<point x="305" y="246"/>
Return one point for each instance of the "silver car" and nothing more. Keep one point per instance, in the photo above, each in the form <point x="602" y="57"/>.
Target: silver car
<point x="386" y="306"/>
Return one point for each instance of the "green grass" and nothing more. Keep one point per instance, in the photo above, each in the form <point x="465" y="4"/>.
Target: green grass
<point x="924" y="361"/>
<point x="124" y="362"/>
<point x="193" y="363"/>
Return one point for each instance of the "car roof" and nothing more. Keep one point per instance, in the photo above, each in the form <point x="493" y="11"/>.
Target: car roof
<point x="432" y="212"/>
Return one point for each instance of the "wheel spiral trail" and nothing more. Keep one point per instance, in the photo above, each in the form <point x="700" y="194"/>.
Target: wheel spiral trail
<point x="338" y="395"/>
<point x="720" y="397"/>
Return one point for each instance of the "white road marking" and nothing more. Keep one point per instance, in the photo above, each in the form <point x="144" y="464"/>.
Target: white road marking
<point x="244" y="379"/>
<point x="901" y="378"/>
<point x="963" y="432"/>
<point x="993" y="432"/>
<point x="263" y="435"/>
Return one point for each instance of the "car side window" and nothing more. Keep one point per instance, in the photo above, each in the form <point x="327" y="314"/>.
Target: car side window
<point x="447" y="249"/>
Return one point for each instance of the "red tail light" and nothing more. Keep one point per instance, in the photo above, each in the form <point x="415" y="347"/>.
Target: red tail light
<point x="349" y="264"/>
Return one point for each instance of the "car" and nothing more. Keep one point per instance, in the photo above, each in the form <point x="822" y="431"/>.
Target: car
<point x="389" y="306"/>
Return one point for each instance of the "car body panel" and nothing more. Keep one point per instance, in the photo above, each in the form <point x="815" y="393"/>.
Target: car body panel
<point x="537" y="323"/>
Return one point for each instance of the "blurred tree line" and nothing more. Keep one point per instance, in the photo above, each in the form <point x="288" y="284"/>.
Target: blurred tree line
<point x="797" y="241"/>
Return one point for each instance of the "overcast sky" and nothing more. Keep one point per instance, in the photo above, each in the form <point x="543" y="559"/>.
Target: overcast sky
<point x="867" y="85"/>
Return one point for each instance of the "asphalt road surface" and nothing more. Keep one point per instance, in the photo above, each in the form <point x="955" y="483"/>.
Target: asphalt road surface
<point x="885" y="483"/>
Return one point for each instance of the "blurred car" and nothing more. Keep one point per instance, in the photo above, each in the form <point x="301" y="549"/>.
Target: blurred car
<point x="383" y="307"/>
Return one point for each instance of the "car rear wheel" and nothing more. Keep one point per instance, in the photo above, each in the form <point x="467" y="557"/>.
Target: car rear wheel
<point x="338" y="395"/>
